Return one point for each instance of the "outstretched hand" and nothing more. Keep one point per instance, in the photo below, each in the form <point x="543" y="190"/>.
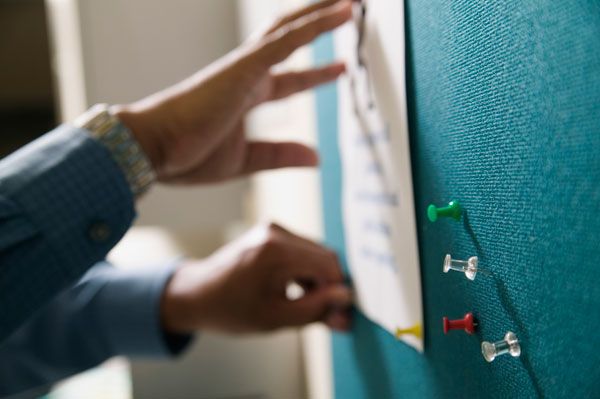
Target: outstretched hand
<point x="193" y="132"/>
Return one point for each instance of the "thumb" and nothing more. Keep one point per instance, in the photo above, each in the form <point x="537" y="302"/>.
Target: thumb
<point x="316" y="305"/>
<point x="264" y="155"/>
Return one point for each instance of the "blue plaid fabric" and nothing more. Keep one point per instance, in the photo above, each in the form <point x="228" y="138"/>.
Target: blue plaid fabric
<point x="109" y="312"/>
<point x="64" y="203"/>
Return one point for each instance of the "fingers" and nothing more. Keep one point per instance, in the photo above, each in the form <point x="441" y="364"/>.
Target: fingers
<point x="262" y="155"/>
<point x="327" y="304"/>
<point x="285" y="40"/>
<point x="282" y="257"/>
<point x="309" y="245"/>
<point x="293" y="258"/>
<point x="286" y="84"/>
<point x="311" y="279"/>
<point x="300" y="13"/>
<point x="338" y="320"/>
<point x="306" y="264"/>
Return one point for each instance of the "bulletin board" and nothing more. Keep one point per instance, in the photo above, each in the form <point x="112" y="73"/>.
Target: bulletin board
<point x="504" y="116"/>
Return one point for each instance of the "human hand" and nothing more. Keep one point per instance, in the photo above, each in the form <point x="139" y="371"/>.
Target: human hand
<point x="242" y="287"/>
<point x="193" y="132"/>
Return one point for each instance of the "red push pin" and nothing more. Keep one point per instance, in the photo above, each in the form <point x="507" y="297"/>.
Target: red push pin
<point x="467" y="323"/>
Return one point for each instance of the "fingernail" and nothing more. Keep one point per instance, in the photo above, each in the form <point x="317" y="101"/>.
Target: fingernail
<point x="341" y="296"/>
<point x="339" y="67"/>
<point x="338" y="321"/>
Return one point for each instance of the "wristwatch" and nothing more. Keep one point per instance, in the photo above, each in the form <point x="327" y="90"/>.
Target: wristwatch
<point x="117" y="138"/>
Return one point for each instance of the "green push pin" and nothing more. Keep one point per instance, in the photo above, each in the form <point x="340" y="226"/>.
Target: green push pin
<point x="453" y="210"/>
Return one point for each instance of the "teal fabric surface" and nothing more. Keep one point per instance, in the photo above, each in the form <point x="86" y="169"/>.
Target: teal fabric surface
<point x="504" y="108"/>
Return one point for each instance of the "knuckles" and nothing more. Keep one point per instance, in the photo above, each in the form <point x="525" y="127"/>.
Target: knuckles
<point x="273" y="242"/>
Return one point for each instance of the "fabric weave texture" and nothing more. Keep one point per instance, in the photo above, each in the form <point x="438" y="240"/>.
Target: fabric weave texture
<point x="64" y="204"/>
<point x="504" y="115"/>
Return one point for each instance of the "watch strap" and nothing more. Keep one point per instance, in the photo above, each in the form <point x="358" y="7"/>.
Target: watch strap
<point x="125" y="150"/>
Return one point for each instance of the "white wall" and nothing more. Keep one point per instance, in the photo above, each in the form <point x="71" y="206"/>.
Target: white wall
<point x="291" y="197"/>
<point x="117" y="51"/>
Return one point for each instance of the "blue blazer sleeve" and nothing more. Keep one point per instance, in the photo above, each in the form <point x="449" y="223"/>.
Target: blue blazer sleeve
<point x="64" y="203"/>
<point x="109" y="312"/>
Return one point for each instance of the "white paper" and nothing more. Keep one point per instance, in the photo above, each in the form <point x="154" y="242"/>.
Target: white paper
<point x="378" y="207"/>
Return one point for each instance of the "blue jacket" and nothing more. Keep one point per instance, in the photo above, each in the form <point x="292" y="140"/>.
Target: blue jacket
<point x="109" y="312"/>
<point x="64" y="203"/>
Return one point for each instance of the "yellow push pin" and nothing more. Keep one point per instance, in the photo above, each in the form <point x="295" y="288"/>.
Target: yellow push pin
<point x="415" y="330"/>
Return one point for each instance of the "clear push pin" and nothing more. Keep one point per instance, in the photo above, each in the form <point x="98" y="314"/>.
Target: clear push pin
<point x="468" y="267"/>
<point x="510" y="344"/>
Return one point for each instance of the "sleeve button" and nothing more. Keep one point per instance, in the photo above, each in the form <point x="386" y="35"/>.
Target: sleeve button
<point x="99" y="232"/>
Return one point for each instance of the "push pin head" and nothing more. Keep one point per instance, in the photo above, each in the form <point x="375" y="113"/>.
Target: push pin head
<point x="415" y="330"/>
<point x="468" y="267"/>
<point x="453" y="210"/>
<point x="467" y="323"/>
<point x="510" y="345"/>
